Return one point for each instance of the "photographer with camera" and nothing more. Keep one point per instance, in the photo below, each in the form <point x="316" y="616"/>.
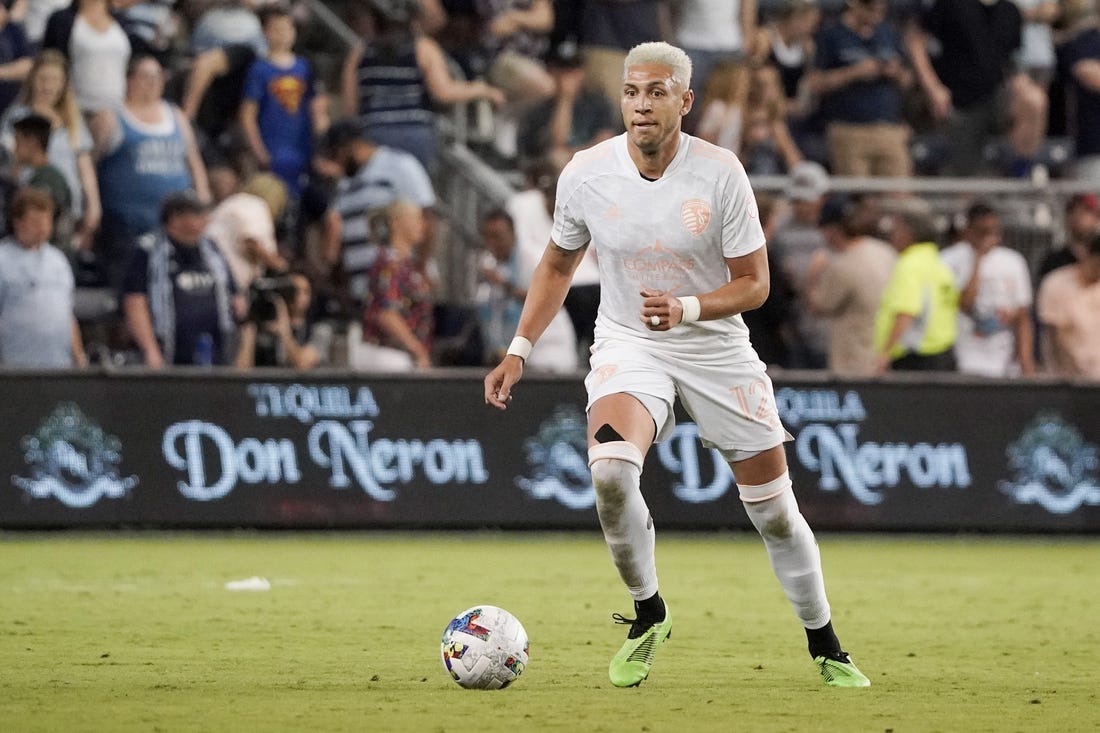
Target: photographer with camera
<point x="278" y="332"/>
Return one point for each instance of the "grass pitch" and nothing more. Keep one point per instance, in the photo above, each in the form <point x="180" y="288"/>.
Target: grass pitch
<point x="138" y="633"/>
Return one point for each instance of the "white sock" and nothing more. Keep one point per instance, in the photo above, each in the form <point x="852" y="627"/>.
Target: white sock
<point x="791" y="547"/>
<point x="624" y="516"/>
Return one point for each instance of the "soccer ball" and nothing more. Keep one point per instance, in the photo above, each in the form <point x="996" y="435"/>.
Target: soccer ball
<point x="484" y="648"/>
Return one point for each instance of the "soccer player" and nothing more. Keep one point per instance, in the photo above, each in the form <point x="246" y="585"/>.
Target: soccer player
<point x="681" y="255"/>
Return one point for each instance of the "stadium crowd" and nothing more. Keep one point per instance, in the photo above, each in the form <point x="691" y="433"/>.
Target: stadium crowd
<point x="180" y="187"/>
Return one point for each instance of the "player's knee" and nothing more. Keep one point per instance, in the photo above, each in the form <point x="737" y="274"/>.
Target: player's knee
<point x="609" y="463"/>
<point x="772" y="508"/>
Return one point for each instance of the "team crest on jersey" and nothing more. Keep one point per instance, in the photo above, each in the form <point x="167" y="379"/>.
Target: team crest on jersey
<point x="695" y="216"/>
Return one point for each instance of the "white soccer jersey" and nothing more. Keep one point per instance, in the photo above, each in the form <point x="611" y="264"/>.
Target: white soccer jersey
<point x="673" y="234"/>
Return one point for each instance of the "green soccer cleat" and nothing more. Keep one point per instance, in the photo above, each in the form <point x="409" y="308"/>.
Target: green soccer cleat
<point x="630" y="666"/>
<point x="841" y="672"/>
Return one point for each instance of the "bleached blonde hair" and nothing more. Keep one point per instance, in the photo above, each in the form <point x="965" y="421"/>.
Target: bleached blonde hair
<point x="659" y="52"/>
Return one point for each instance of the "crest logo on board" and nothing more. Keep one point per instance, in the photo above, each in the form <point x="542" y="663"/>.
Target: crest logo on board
<point x="71" y="459"/>
<point x="1054" y="467"/>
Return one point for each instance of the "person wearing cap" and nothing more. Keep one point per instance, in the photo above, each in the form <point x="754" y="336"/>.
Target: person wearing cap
<point x="996" y="335"/>
<point x="179" y="298"/>
<point x="1082" y="226"/>
<point x="795" y="243"/>
<point x="374" y="177"/>
<point x="1067" y="306"/>
<point x="915" y="326"/>
<point x="860" y="76"/>
<point x="846" y="288"/>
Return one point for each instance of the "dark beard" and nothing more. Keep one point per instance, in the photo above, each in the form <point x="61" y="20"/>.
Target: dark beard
<point x="351" y="167"/>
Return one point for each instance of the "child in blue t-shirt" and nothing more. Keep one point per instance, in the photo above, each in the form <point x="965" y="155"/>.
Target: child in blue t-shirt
<point x="276" y="113"/>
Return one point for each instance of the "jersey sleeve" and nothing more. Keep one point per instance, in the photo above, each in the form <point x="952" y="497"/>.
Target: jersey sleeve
<point x="570" y="230"/>
<point x="741" y="230"/>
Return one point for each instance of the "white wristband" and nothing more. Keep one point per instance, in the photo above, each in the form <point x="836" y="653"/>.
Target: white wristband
<point x="691" y="307"/>
<point x="520" y="347"/>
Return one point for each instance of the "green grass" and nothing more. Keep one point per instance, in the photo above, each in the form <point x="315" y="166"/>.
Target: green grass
<point x="137" y="633"/>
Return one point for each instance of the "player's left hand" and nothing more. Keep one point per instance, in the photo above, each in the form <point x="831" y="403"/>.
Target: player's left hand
<point x="665" y="307"/>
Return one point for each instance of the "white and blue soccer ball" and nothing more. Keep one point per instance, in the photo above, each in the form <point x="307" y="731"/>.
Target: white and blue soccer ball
<point x="484" y="648"/>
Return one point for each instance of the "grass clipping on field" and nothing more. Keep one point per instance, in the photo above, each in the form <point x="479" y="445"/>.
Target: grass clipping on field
<point x="137" y="632"/>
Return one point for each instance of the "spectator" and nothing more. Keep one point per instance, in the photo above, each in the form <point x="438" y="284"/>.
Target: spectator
<point x="285" y="336"/>
<point x="224" y="179"/>
<point x="770" y="323"/>
<point x="970" y="84"/>
<point x="578" y="116"/>
<point x="391" y="83"/>
<point x="243" y="228"/>
<point x="610" y="28"/>
<point x="97" y="49"/>
<point x="15" y="58"/>
<point x="1082" y="226"/>
<point x="278" y="114"/>
<point x="846" y="288"/>
<point x="795" y="243"/>
<point x="1036" y="54"/>
<point x="767" y="145"/>
<point x="374" y="177"/>
<point x="516" y="34"/>
<point x="47" y="92"/>
<point x="397" y="316"/>
<point x="723" y="103"/>
<point x="996" y="337"/>
<point x="501" y="294"/>
<point x="787" y="45"/>
<point x="531" y="211"/>
<point x="1069" y="299"/>
<point x="179" y="298"/>
<point x="915" y="326"/>
<point x="35" y="15"/>
<point x="37" y="327"/>
<point x="228" y="23"/>
<point x="151" y="25"/>
<point x="213" y="94"/>
<point x="711" y="32"/>
<point x="1079" y="64"/>
<point x="147" y="150"/>
<point x="498" y="298"/>
<point x="860" y="77"/>
<point x="32" y="137"/>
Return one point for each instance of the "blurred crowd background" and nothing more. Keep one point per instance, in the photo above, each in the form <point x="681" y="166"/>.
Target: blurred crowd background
<point x="368" y="184"/>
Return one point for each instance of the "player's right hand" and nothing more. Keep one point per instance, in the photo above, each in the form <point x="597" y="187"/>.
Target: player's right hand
<point x="499" y="382"/>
